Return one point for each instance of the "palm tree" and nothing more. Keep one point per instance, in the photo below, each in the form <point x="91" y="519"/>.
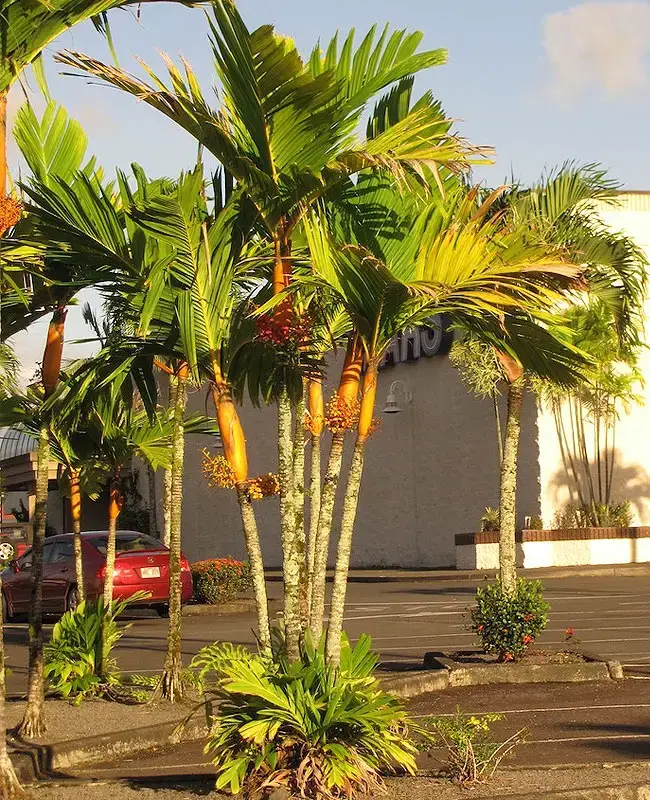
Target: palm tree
<point x="285" y="132"/>
<point x="454" y="260"/>
<point x="560" y="210"/>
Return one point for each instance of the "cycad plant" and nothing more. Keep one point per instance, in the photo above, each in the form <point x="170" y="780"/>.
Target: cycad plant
<point x="319" y="732"/>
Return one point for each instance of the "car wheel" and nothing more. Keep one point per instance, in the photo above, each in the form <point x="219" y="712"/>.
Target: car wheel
<point x="162" y="611"/>
<point x="72" y="599"/>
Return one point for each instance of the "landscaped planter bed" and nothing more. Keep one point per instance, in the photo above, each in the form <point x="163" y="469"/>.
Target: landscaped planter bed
<point x="474" y="667"/>
<point x="557" y="548"/>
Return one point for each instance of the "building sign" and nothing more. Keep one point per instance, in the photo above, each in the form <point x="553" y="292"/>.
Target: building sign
<point x="415" y="343"/>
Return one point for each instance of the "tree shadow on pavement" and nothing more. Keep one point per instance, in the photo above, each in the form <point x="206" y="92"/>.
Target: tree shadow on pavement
<point x="439" y="591"/>
<point x="198" y="785"/>
<point x="628" y="745"/>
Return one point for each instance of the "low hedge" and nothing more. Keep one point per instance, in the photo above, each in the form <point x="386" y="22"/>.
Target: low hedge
<point x="220" y="580"/>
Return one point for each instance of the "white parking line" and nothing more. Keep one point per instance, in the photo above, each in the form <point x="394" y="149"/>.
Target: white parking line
<point x="608" y="738"/>
<point x="539" y="710"/>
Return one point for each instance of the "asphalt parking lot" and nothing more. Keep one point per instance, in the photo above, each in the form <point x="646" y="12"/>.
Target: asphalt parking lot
<point x="610" y="615"/>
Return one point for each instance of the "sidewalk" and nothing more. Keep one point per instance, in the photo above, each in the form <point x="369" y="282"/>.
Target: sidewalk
<point x="577" y="735"/>
<point x="381" y="575"/>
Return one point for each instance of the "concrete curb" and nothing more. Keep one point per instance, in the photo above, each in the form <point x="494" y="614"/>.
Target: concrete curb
<point x="414" y="576"/>
<point x="33" y="761"/>
<point x="637" y="791"/>
<point x="443" y="673"/>
<point x="244" y="605"/>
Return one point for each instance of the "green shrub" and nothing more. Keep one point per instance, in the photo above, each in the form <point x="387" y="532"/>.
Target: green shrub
<point x="319" y="732"/>
<point x="508" y="623"/>
<point x="220" y="580"/>
<point x="472" y="753"/>
<point x="74" y="654"/>
<point x="491" y="519"/>
<point x="598" y="515"/>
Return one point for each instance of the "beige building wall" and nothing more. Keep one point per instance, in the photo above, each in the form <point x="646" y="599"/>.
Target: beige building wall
<point x="632" y="475"/>
<point x="430" y="472"/>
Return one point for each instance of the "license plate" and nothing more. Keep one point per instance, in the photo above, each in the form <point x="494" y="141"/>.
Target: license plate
<point x="150" y="572"/>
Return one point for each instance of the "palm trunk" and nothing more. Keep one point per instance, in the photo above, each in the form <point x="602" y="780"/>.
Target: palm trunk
<point x="314" y="511"/>
<point x="33" y="725"/>
<point x="291" y="557"/>
<point x="9" y="784"/>
<point x="347" y="394"/>
<point x="323" y="533"/>
<point x="75" y="514"/>
<point x="316" y="418"/>
<point x="167" y="477"/>
<point x="234" y="448"/>
<point x="299" y="507"/>
<point x="508" y="489"/>
<point x="497" y="419"/>
<point x="171" y="679"/>
<point x="350" y="503"/>
<point x="3" y="143"/>
<point x="153" y="502"/>
<point x="114" y="508"/>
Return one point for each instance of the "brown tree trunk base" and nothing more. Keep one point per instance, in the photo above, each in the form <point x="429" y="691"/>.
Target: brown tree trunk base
<point x="10" y="787"/>
<point x="33" y="724"/>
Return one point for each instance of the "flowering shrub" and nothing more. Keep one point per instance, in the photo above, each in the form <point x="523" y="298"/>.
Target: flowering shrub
<point x="508" y="623"/>
<point x="219" y="580"/>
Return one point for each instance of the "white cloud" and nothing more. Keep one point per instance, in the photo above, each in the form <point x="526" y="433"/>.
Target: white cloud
<point x="599" y="45"/>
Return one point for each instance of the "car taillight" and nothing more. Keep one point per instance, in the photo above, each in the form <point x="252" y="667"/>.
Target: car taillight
<point x="101" y="574"/>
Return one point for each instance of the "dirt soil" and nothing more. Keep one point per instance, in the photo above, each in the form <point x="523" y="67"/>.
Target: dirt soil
<point x="507" y="782"/>
<point x="531" y="657"/>
<point x="95" y="717"/>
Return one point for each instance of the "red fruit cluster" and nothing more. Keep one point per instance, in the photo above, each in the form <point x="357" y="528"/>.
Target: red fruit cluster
<point x="10" y="212"/>
<point x="264" y="486"/>
<point x="341" y="416"/>
<point x="283" y="328"/>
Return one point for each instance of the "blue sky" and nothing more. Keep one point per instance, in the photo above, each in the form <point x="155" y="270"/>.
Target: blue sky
<point x="543" y="81"/>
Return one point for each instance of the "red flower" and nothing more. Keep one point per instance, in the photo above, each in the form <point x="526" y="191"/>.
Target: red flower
<point x="480" y="628"/>
<point x="507" y="657"/>
<point x="528" y="639"/>
<point x="569" y="632"/>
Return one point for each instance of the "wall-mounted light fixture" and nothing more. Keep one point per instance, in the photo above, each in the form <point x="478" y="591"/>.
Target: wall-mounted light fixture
<point x="392" y="406"/>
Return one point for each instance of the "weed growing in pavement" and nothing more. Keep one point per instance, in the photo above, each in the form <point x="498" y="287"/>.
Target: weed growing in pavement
<point x="507" y="623"/>
<point x="473" y="756"/>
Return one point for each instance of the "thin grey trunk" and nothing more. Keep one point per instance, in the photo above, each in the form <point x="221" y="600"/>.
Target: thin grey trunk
<point x="167" y="506"/>
<point x="9" y="784"/>
<point x="508" y="489"/>
<point x="153" y="502"/>
<point x="78" y="560"/>
<point x="33" y="725"/>
<point x="497" y="419"/>
<point x="254" y="551"/>
<point x="339" y="589"/>
<point x="114" y="507"/>
<point x="325" y="517"/>
<point x="167" y="475"/>
<point x="299" y="508"/>
<point x="75" y="510"/>
<point x="314" y="511"/>
<point x="290" y="552"/>
<point x="171" y="679"/>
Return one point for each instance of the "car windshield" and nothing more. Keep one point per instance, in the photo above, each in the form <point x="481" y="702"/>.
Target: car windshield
<point x="126" y="543"/>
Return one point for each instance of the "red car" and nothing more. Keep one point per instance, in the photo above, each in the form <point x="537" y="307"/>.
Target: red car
<point x="141" y="564"/>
